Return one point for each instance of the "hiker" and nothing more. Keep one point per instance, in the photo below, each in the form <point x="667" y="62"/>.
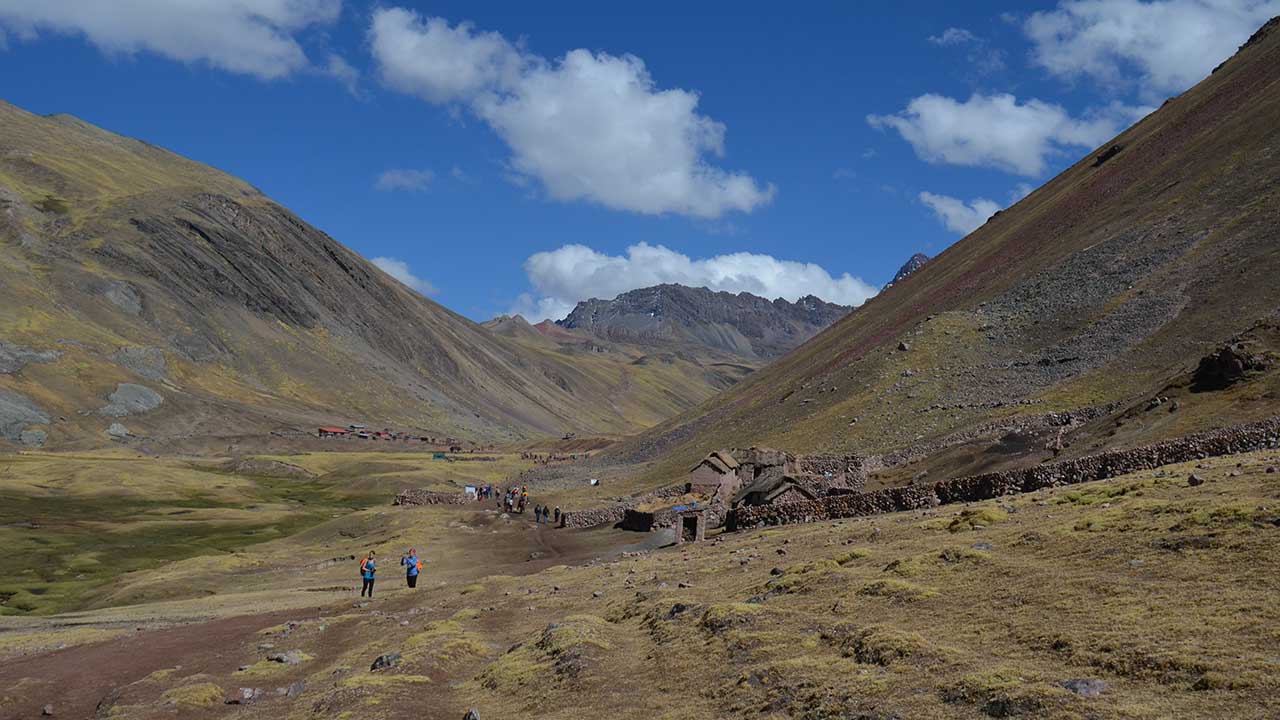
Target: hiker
<point x="412" y="566"/>
<point x="367" y="568"/>
<point x="537" y="513"/>
<point x="557" y="515"/>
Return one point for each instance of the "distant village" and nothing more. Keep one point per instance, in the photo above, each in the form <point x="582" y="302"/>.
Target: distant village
<point x="358" y="431"/>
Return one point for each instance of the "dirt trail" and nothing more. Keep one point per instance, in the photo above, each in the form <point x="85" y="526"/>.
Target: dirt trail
<point x="74" y="680"/>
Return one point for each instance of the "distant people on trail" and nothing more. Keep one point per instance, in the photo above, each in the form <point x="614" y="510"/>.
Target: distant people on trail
<point x="537" y="513"/>
<point x="367" y="569"/>
<point x="557" y="521"/>
<point x="412" y="566"/>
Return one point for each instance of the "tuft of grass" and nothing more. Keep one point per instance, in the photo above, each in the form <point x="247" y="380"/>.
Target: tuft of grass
<point x="373" y="681"/>
<point x="897" y="590"/>
<point x="1003" y="693"/>
<point x="198" y="695"/>
<point x="718" y="618"/>
<point x="970" y="519"/>
<point x="878" y="644"/>
<point x="851" y="556"/>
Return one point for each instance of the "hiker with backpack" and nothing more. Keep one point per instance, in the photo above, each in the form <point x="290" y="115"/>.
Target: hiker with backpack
<point x="367" y="569"/>
<point x="412" y="566"/>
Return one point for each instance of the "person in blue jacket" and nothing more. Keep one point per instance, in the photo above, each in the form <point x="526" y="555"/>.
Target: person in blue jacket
<point x="412" y="566"/>
<point x="367" y="568"/>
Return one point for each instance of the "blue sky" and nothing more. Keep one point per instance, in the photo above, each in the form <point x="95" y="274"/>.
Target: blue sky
<point x="544" y="152"/>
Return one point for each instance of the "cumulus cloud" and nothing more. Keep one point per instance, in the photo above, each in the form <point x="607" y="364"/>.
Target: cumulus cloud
<point x="964" y="217"/>
<point x="587" y="126"/>
<point x="339" y="69"/>
<point x="953" y="36"/>
<point x="1000" y="132"/>
<point x="402" y="179"/>
<point x="957" y="215"/>
<point x="399" y="270"/>
<point x="253" y="37"/>
<point x="1172" y="44"/>
<point x="563" y="277"/>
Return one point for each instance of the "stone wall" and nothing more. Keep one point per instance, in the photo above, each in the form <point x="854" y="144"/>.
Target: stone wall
<point x="1226" y="441"/>
<point x="614" y="514"/>
<point x="416" y="496"/>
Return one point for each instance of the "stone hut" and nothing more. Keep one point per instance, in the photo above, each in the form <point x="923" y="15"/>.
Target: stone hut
<point x="691" y="526"/>
<point x="757" y="463"/>
<point x="717" y="474"/>
<point x="773" y="489"/>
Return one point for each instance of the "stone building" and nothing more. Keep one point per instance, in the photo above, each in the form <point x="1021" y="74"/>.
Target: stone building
<point x="773" y="489"/>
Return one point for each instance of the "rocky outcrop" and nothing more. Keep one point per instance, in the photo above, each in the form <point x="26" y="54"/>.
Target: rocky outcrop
<point x="674" y="315"/>
<point x="1236" y="439"/>
<point x="17" y="412"/>
<point x="130" y="399"/>
<point x="914" y="263"/>
<point x="147" y="362"/>
<point x="15" y="357"/>
<point x="1226" y="366"/>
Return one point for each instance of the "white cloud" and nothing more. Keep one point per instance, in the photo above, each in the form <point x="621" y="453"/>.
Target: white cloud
<point x="339" y="69"/>
<point x="588" y="126"/>
<point x="399" y="270"/>
<point x="436" y="62"/>
<point x="1020" y="191"/>
<point x="964" y="217"/>
<point x="957" y="215"/>
<point x="997" y="131"/>
<point x="253" y="37"/>
<point x="563" y="277"/>
<point x="953" y="36"/>
<point x="401" y="179"/>
<point x="1171" y="43"/>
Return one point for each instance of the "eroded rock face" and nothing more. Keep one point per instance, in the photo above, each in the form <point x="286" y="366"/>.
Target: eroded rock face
<point x="15" y="357"/>
<point x="675" y="315"/>
<point x="1225" y="367"/>
<point x="147" y="362"/>
<point x="130" y="399"/>
<point x="124" y="296"/>
<point x="17" y="412"/>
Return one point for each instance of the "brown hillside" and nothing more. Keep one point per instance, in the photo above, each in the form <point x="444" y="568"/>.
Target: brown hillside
<point x="142" y="289"/>
<point x="1097" y="293"/>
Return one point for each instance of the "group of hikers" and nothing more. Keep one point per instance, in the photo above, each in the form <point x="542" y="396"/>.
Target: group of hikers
<point x="369" y="568"/>
<point x="543" y="514"/>
<point x="513" y="500"/>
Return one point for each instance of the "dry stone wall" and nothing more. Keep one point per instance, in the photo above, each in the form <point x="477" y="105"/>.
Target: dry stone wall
<point x="615" y="513"/>
<point x="1226" y="441"/>
<point x="416" y="496"/>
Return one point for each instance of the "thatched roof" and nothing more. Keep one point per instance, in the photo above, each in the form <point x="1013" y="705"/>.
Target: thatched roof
<point x="721" y="460"/>
<point x="772" y="487"/>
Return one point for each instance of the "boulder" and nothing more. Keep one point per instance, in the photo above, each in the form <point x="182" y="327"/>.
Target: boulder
<point x="382" y="662"/>
<point x="130" y="399"/>
<point x="1085" y="687"/>
<point x="1226" y="366"/>
<point x="118" y="431"/>
<point x="293" y="657"/>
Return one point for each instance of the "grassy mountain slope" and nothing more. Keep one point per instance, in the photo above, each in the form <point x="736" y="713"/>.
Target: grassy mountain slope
<point x="123" y="263"/>
<point x="1102" y="289"/>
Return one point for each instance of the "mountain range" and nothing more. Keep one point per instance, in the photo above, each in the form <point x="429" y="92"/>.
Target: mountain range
<point x="740" y="325"/>
<point x="147" y="295"/>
